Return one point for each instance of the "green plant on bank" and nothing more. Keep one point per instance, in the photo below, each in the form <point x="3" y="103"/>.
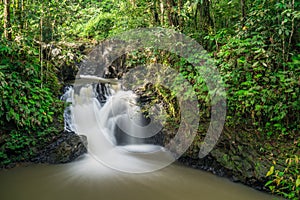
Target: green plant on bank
<point x="285" y="181"/>
<point x="258" y="94"/>
<point x="261" y="70"/>
<point x="30" y="113"/>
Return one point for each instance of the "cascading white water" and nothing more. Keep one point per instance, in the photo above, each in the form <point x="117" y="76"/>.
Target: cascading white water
<point x="115" y="130"/>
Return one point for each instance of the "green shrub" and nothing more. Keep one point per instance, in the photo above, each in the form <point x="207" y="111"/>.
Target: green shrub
<point x="286" y="181"/>
<point x="28" y="108"/>
<point x="260" y="94"/>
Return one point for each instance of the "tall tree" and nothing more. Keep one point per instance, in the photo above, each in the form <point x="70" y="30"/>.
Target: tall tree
<point x="7" y="25"/>
<point x="243" y="10"/>
<point x="202" y="16"/>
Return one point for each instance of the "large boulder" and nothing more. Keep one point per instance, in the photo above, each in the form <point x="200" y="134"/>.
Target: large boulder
<point x="66" y="148"/>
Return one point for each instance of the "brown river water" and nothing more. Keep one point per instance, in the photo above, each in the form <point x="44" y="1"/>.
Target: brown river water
<point x="87" y="179"/>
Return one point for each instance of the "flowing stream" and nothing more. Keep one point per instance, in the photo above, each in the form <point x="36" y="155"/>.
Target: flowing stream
<point x="116" y="145"/>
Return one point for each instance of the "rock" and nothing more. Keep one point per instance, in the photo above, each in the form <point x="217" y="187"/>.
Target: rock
<point x="66" y="148"/>
<point x="66" y="57"/>
<point x="240" y="161"/>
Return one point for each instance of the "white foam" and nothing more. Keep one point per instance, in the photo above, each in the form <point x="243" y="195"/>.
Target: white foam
<point x="98" y="123"/>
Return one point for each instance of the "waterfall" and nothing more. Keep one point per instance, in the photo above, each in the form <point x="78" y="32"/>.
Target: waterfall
<point x="118" y="115"/>
<point x="115" y="127"/>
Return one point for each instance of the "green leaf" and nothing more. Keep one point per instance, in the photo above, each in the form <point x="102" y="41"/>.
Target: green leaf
<point x="298" y="182"/>
<point x="270" y="172"/>
<point x="269" y="182"/>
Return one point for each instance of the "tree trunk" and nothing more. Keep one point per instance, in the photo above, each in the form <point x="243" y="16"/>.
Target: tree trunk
<point x="180" y="21"/>
<point x="162" y="13"/>
<point x="155" y="13"/>
<point x="20" y="14"/>
<point x="41" y="44"/>
<point x="7" y="25"/>
<point x="203" y="10"/>
<point x="171" y="14"/>
<point x="206" y="14"/>
<point x="243" y="10"/>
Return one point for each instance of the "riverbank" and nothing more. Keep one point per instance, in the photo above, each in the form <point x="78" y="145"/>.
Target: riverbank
<point x="247" y="157"/>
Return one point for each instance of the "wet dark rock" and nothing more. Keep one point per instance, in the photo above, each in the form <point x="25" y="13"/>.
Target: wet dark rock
<point x="239" y="161"/>
<point x="66" y="148"/>
<point x="210" y="164"/>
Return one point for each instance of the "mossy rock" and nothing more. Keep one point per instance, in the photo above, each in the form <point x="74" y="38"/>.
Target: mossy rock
<point x="66" y="148"/>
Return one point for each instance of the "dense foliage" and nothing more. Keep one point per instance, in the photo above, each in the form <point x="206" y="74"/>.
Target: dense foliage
<point x="256" y="46"/>
<point x="28" y="106"/>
